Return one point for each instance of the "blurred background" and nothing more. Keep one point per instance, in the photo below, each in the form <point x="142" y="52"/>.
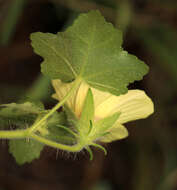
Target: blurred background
<point x="147" y="159"/>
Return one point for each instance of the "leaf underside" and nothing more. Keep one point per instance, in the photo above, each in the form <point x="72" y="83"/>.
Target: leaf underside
<point x="23" y="114"/>
<point x="90" y="49"/>
<point x="25" y="150"/>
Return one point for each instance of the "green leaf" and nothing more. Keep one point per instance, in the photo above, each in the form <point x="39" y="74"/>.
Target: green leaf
<point x="90" y="49"/>
<point x="25" y="150"/>
<point x="87" y="114"/>
<point x="19" y="114"/>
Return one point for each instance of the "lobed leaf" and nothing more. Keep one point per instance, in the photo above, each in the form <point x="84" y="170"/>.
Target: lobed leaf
<point x="25" y="150"/>
<point x="19" y="114"/>
<point x="90" y="49"/>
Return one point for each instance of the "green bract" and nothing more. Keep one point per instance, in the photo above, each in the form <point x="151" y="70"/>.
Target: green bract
<point x="90" y="130"/>
<point x="89" y="49"/>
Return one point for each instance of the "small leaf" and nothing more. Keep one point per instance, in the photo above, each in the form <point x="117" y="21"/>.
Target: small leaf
<point x="26" y="107"/>
<point x="19" y="114"/>
<point x="25" y="150"/>
<point x="90" y="49"/>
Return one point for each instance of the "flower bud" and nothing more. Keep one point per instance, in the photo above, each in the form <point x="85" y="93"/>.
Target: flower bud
<point x="133" y="105"/>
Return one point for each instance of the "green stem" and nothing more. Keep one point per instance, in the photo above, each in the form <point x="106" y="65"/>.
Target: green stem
<point x="17" y="134"/>
<point x="35" y="126"/>
<point x="73" y="148"/>
<point x="13" y="134"/>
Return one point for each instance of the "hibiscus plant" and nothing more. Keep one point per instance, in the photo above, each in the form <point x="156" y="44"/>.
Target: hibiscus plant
<point x="90" y="73"/>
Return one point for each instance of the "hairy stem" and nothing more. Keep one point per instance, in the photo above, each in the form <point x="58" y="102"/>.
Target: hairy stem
<point x="7" y="134"/>
<point x="21" y="134"/>
<point x="73" y="148"/>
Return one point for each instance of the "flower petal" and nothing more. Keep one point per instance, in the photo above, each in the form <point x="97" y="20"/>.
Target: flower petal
<point x="80" y="96"/>
<point x="117" y="132"/>
<point x="133" y="105"/>
<point x="54" y="96"/>
<point x="61" y="90"/>
<point x="75" y="102"/>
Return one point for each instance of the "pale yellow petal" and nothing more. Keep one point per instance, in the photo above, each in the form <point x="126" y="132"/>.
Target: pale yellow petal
<point x="117" y="132"/>
<point x="61" y="90"/>
<point x="54" y="96"/>
<point x="100" y="96"/>
<point x="80" y="98"/>
<point x="133" y="105"/>
<point x="75" y="102"/>
<point x="107" y="106"/>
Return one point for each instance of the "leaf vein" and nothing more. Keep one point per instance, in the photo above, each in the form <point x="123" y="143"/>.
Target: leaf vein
<point x="88" y="49"/>
<point x="102" y="85"/>
<point x="59" y="55"/>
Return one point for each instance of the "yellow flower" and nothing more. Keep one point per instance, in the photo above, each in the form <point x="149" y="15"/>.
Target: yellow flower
<point x="133" y="105"/>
